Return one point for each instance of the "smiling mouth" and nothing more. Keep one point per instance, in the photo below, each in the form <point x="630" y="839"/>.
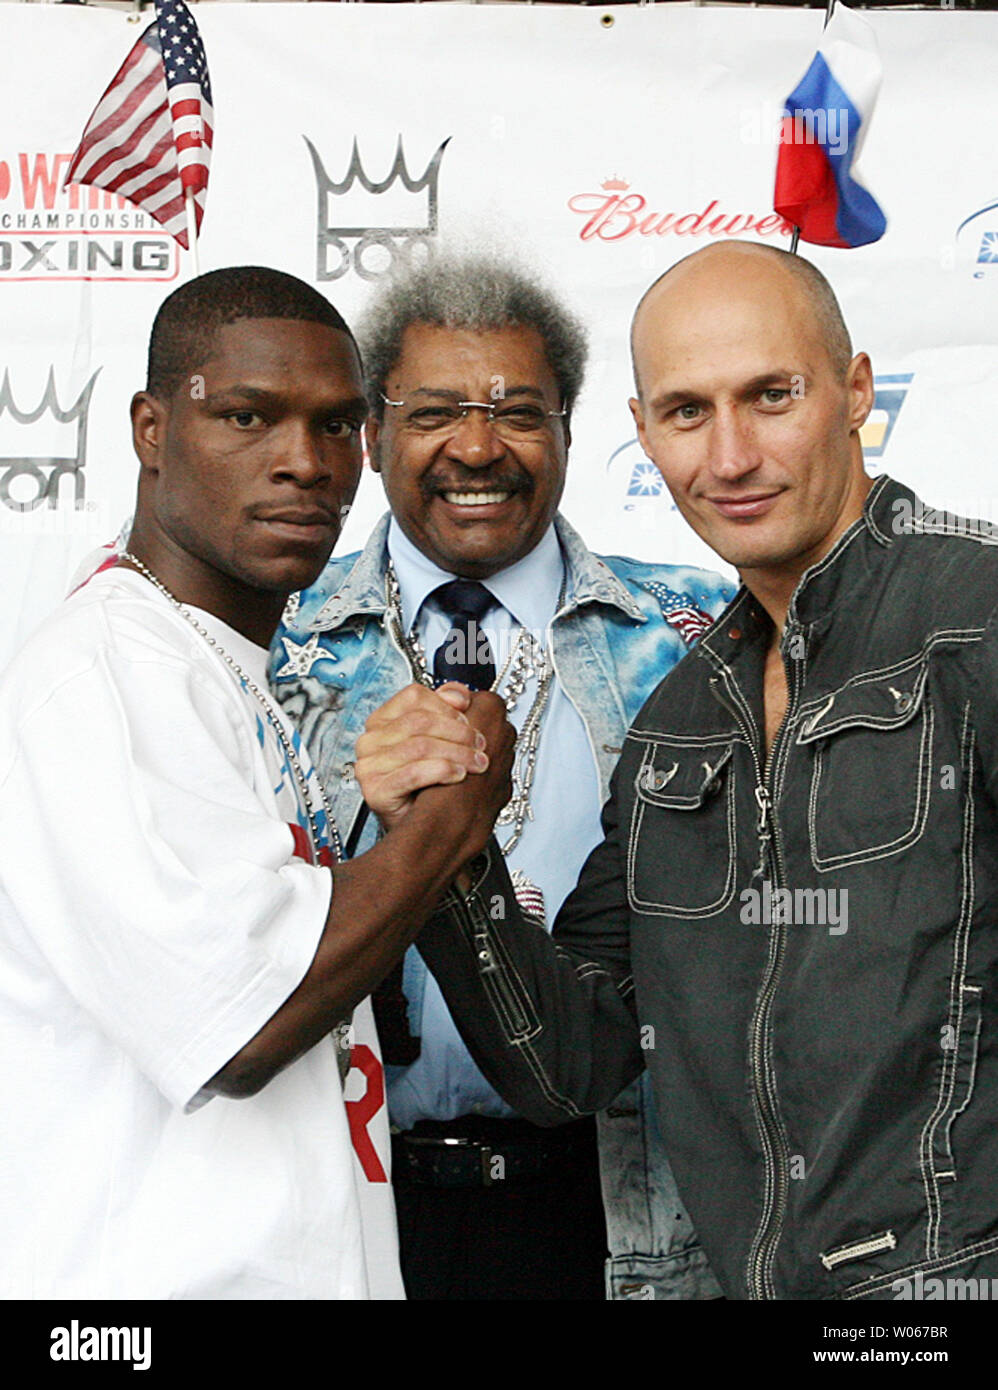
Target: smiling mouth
<point x="475" y="499"/>
<point x="747" y="506"/>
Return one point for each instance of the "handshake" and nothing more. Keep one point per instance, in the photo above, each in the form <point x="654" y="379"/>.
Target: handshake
<point x="453" y="745"/>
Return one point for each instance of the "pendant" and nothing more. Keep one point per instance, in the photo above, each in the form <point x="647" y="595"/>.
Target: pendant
<point x="529" y="896"/>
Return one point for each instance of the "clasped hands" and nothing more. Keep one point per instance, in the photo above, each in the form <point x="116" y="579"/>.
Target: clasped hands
<point x="457" y="742"/>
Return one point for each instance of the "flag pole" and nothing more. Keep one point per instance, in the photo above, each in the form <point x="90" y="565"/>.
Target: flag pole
<point x="192" y="228"/>
<point x="795" y="236"/>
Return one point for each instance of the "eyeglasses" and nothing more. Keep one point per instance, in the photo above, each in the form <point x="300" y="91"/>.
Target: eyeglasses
<point x="509" y="419"/>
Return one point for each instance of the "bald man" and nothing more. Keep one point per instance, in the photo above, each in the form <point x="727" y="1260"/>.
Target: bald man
<point x="791" y="920"/>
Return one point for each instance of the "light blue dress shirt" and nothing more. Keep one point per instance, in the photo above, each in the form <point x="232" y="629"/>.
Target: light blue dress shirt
<point x="564" y="800"/>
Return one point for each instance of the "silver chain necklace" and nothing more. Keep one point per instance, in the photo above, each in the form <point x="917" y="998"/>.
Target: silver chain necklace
<point x="527" y="658"/>
<point x="273" y="719"/>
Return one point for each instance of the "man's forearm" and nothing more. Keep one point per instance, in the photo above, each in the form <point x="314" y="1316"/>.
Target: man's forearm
<point x="554" y="1031"/>
<point x="378" y="905"/>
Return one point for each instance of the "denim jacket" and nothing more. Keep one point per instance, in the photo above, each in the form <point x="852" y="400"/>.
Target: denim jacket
<point x="624" y="624"/>
<point x="808" y="938"/>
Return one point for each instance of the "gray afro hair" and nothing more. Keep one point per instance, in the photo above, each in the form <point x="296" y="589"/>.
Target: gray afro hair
<point x="481" y="292"/>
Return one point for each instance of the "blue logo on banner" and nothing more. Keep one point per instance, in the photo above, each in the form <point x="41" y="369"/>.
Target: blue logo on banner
<point x="987" y="251"/>
<point x="646" y="480"/>
<point x="888" y="399"/>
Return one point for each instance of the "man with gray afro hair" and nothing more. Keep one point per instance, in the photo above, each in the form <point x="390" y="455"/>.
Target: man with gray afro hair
<point x="479" y="292"/>
<point x="472" y="370"/>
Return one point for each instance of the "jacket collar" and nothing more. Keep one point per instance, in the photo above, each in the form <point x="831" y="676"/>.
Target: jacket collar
<point x="362" y="592"/>
<point x="590" y="579"/>
<point x="834" y="582"/>
<point x="836" y="579"/>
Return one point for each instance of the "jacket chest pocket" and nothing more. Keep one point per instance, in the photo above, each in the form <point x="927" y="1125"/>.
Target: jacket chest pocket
<point x="681" y="847"/>
<point x="871" y="743"/>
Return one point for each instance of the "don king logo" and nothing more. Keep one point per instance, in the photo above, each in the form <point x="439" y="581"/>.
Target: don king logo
<point x="366" y="224"/>
<point x="33" y="462"/>
<point x="644" y="479"/>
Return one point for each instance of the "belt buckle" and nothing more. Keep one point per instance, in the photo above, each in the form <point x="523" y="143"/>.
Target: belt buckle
<point x="484" y="1156"/>
<point x="432" y="1141"/>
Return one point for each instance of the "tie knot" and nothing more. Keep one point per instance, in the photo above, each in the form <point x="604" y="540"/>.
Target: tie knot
<point x="464" y="598"/>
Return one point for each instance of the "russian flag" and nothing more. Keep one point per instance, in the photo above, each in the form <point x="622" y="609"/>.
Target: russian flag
<point x="825" y="120"/>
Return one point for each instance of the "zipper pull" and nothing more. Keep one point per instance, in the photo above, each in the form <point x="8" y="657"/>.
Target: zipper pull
<point x="763" y="830"/>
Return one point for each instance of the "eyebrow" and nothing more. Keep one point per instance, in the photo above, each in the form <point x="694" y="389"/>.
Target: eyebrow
<point x="667" y="399"/>
<point x="353" y="405"/>
<point x="460" y="395"/>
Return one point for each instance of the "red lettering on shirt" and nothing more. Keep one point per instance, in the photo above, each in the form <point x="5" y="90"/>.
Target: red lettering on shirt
<point x="361" y="1112"/>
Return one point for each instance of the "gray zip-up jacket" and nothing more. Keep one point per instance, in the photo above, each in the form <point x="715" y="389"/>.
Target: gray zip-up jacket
<point x="802" y="949"/>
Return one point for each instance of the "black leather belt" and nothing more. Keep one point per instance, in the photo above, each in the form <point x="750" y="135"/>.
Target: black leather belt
<point x="481" y="1151"/>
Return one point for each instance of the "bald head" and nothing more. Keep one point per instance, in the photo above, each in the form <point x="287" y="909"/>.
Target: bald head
<point x="723" y="268"/>
<point x="750" y="405"/>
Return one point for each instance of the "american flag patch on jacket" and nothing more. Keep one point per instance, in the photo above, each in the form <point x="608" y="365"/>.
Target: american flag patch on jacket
<point x="680" y="611"/>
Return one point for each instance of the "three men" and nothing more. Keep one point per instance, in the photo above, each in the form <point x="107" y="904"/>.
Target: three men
<point x="472" y="372"/>
<point x="177" y="939"/>
<point x="790" y="920"/>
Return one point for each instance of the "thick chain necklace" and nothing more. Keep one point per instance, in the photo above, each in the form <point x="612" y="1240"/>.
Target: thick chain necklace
<point x="273" y="719"/>
<point x="527" y="659"/>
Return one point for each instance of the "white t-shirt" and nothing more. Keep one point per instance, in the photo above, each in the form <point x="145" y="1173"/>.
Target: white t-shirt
<point x="153" y="916"/>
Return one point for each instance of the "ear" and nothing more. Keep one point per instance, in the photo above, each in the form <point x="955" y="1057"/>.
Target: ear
<point x="148" y="429"/>
<point x="637" y="411"/>
<point x="372" y="437"/>
<point x="859" y="383"/>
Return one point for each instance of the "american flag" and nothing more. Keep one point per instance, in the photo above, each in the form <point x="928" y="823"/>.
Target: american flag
<point x="680" y="612"/>
<point x="149" y="138"/>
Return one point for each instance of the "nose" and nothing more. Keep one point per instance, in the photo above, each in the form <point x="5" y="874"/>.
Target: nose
<point x="299" y="456"/>
<point x="734" y="449"/>
<point x="475" y="442"/>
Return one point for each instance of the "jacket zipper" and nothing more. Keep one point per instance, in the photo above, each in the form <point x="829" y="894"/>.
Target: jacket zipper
<point x="478" y="926"/>
<point x="763" y="1251"/>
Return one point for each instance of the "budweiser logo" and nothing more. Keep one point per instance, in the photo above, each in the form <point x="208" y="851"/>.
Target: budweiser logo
<point x="615" y="214"/>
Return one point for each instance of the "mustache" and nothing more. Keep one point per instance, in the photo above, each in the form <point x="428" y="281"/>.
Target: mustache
<point x="476" y="480"/>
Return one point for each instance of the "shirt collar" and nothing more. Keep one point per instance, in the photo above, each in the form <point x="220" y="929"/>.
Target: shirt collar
<point x="528" y="589"/>
<point x="361" y="592"/>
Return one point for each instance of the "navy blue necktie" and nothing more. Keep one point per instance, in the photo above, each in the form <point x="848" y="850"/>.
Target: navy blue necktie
<point x="465" y="654"/>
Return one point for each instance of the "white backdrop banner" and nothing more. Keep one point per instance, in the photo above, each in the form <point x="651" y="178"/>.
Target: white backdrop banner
<point x="601" y="146"/>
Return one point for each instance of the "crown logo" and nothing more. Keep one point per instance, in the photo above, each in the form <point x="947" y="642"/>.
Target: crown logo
<point x="615" y="184"/>
<point x="45" y="465"/>
<point x="393" y="215"/>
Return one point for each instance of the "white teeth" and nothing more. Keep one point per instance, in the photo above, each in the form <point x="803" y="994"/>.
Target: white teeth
<point x="475" y="499"/>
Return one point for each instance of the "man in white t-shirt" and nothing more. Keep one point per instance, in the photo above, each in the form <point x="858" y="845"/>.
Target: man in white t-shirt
<point x="179" y="962"/>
